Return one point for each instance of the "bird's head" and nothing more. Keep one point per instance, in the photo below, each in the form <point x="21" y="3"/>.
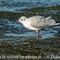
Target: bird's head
<point x="22" y="19"/>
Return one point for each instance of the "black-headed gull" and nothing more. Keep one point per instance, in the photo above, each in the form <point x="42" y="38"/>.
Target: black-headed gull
<point x="37" y="22"/>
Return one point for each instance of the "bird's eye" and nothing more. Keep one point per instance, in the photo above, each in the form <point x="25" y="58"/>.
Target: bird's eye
<point x="21" y="19"/>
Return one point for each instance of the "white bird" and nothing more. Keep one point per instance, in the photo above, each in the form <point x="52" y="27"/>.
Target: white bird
<point x="37" y="22"/>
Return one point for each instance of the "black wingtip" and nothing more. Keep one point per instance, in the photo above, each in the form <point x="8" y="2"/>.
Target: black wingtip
<point x="57" y="21"/>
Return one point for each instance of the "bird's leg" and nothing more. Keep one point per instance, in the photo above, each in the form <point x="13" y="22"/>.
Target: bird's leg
<point x="38" y="33"/>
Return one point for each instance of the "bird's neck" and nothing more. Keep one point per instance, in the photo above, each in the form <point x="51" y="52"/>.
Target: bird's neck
<point x="26" y="24"/>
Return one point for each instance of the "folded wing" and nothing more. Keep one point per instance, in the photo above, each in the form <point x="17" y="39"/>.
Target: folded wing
<point x="41" y="22"/>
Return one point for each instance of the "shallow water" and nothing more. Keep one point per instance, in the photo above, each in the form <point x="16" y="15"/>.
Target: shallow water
<point x="13" y="29"/>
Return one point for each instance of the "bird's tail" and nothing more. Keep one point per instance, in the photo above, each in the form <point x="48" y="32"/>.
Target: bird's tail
<point x="56" y="23"/>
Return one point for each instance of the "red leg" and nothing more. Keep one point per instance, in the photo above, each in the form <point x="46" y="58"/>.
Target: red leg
<point x="38" y="33"/>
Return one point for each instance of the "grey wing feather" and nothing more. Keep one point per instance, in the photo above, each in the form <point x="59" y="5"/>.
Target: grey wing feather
<point x="39" y="21"/>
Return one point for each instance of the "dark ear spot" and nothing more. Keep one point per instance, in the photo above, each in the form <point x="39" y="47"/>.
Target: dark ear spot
<point x="24" y="19"/>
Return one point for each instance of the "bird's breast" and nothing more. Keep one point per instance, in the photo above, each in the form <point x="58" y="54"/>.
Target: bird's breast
<point x="28" y="25"/>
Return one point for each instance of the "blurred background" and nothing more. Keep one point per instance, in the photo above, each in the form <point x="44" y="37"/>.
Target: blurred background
<point x="17" y="5"/>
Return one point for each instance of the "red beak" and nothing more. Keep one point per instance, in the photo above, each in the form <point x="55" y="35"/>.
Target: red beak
<point x="17" y="21"/>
